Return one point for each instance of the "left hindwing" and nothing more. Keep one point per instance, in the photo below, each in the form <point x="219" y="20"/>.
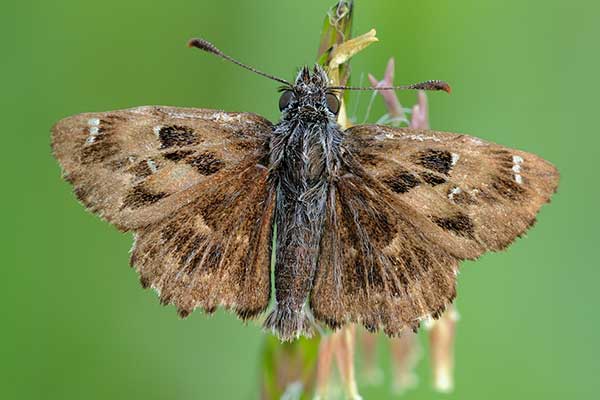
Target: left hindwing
<point x="481" y="194"/>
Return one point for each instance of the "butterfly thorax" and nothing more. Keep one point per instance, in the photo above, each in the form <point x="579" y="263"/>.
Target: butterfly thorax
<point x="308" y="128"/>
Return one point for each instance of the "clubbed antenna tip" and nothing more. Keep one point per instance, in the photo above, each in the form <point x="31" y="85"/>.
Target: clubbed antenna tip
<point x="211" y="48"/>
<point x="203" y="45"/>
<point x="427" y="85"/>
<point x="433" y="85"/>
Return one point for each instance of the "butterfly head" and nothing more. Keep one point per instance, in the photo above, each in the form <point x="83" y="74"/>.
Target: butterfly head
<point x="309" y="97"/>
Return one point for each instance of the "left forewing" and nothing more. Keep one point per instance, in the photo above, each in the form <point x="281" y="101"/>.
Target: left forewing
<point x="134" y="167"/>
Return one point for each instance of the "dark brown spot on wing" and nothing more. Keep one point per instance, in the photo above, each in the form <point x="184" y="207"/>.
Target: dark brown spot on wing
<point x="401" y="181"/>
<point x="140" y="196"/>
<point x="432" y="179"/>
<point x="98" y="151"/>
<point x="506" y="187"/>
<point x="461" y="197"/>
<point x="141" y="169"/>
<point x="178" y="155"/>
<point x="459" y="224"/>
<point x="206" y="163"/>
<point x="176" y="136"/>
<point x="435" y="160"/>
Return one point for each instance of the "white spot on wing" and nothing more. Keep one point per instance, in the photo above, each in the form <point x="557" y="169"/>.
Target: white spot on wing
<point x="454" y="192"/>
<point x="152" y="165"/>
<point x="156" y="130"/>
<point x="455" y="158"/>
<point x="517" y="161"/>
<point x="93" y="130"/>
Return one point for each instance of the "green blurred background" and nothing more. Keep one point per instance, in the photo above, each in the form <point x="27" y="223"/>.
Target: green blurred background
<point x="76" y="324"/>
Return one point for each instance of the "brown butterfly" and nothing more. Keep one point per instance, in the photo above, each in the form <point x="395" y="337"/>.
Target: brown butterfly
<point x="369" y="224"/>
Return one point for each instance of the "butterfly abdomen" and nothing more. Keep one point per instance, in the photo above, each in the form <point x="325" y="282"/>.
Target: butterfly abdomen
<point x="302" y="184"/>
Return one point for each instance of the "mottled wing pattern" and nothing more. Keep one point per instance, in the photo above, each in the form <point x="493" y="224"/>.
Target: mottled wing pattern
<point x="378" y="265"/>
<point x="407" y="207"/>
<point x="136" y="166"/>
<point x="481" y="194"/>
<point x="193" y="186"/>
<point x="216" y="251"/>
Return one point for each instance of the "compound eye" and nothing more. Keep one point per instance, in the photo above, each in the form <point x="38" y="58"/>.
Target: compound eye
<point x="286" y="98"/>
<point x="333" y="104"/>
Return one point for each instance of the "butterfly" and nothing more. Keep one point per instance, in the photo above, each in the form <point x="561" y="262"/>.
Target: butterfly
<point x="366" y="225"/>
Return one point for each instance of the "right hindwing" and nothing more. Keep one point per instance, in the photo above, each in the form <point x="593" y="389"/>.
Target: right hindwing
<point x="378" y="265"/>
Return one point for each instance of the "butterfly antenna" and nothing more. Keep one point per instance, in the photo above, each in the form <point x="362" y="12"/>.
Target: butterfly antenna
<point x="427" y="85"/>
<point x="211" y="48"/>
